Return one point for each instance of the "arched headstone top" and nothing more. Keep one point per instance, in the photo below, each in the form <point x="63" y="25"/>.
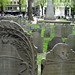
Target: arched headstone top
<point x="61" y="51"/>
<point x="13" y="36"/>
<point x="10" y="24"/>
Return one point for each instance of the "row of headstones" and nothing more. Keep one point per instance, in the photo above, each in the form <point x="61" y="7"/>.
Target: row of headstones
<point x="61" y="30"/>
<point x="38" y="41"/>
<point x="58" y="30"/>
<point x="36" y="34"/>
<point x="59" y="61"/>
<point x="70" y="41"/>
<point x="20" y="20"/>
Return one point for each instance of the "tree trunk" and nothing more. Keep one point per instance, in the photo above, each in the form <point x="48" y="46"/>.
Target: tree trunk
<point x="2" y="10"/>
<point x="42" y="9"/>
<point x="20" y="6"/>
<point x="30" y="17"/>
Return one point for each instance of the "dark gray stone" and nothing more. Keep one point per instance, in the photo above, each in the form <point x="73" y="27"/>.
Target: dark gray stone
<point x="57" y="30"/>
<point x="37" y="30"/>
<point x="54" y="41"/>
<point x="27" y="27"/>
<point x="38" y="41"/>
<point x="63" y="30"/>
<point x="47" y="33"/>
<point x="66" y="30"/>
<point x="17" y="52"/>
<point x="59" y="61"/>
<point x="71" y="41"/>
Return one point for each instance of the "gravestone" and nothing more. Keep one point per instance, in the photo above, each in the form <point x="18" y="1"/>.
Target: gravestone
<point x="17" y="52"/>
<point x="47" y="32"/>
<point x="49" y="12"/>
<point x="63" y="30"/>
<point x="27" y="27"/>
<point x="38" y="41"/>
<point x="54" y="41"/>
<point x="37" y="30"/>
<point x="59" y="61"/>
<point x="32" y="27"/>
<point x="57" y="30"/>
<point x="17" y="19"/>
<point x="66" y="30"/>
<point x="71" y="41"/>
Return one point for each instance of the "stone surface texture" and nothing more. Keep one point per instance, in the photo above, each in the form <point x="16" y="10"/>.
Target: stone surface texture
<point x="59" y="61"/>
<point x="17" y="53"/>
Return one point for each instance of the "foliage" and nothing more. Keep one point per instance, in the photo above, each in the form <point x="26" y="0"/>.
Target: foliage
<point x="4" y="2"/>
<point x="23" y="3"/>
<point x="62" y="2"/>
<point x="40" y="57"/>
<point x="40" y="2"/>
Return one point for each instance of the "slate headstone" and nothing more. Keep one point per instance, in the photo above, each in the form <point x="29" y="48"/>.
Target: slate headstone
<point x="54" y="41"/>
<point x="47" y="32"/>
<point x="57" y="30"/>
<point x="59" y="61"/>
<point x="71" y="41"/>
<point x="38" y="41"/>
<point x="66" y="30"/>
<point x="63" y="30"/>
<point x="17" y="52"/>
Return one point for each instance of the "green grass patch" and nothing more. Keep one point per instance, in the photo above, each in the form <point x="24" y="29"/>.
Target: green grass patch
<point x="40" y="57"/>
<point x="63" y="39"/>
<point x="73" y="32"/>
<point x="45" y="43"/>
<point x="63" y="21"/>
<point x="42" y="32"/>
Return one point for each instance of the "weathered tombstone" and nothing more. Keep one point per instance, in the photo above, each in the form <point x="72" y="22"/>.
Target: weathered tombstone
<point x="27" y="27"/>
<point x="20" y="20"/>
<point x="47" y="32"/>
<point x="62" y="30"/>
<point x="59" y="61"/>
<point x="38" y="41"/>
<point x="17" y="53"/>
<point x="49" y="12"/>
<point x="66" y="30"/>
<point x="32" y="27"/>
<point x="57" y="30"/>
<point x="54" y="41"/>
<point x="37" y="30"/>
<point x="71" y="41"/>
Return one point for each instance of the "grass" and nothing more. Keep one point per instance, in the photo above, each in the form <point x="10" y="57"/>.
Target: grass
<point x="40" y="56"/>
<point x="45" y="43"/>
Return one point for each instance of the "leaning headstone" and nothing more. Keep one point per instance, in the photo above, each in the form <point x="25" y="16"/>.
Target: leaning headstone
<point x="71" y="41"/>
<point x="38" y="41"/>
<point x="49" y="12"/>
<point x="59" y="61"/>
<point x="54" y="41"/>
<point x="17" y="52"/>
